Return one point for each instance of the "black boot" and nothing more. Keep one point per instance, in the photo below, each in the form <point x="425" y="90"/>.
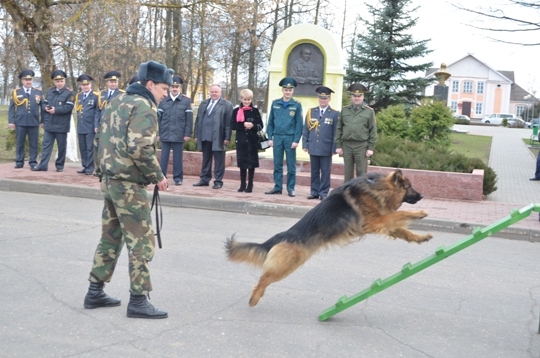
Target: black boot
<point x="242" y="180"/>
<point x="251" y="174"/>
<point x="97" y="298"/>
<point x="139" y="307"/>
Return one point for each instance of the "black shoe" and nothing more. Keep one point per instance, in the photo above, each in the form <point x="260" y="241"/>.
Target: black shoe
<point x="535" y="179"/>
<point x="242" y="187"/>
<point x="18" y="166"/>
<point x="313" y="197"/>
<point x="273" y="191"/>
<point x="38" y="169"/>
<point x="97" y="298"/>
<point x="82" y="171"/>
<point x="59" y="170"/>
<point x="249" y="188"/>
<point x="178" y="182"/>
<point x="292" y="194"/>
<point x="32" y="166"/>
<point x="139" y="307"/>
<point x="217" y="186"/>
<point x="88" y="173"/>
<point x="200" y="183"/>
<point x="322" y="197"/>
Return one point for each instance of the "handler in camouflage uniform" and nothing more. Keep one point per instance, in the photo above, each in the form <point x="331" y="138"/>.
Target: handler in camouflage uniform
<point x="125" y="161"/>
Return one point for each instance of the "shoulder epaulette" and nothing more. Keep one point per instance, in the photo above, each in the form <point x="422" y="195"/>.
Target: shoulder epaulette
<point x="96" y="93"/>
<point x="121" y="90"/>
<point x="369" y="107"/>
<point x="186" y="96"/>
<point x="16" y="89"/>
<point x="37" y="88"/>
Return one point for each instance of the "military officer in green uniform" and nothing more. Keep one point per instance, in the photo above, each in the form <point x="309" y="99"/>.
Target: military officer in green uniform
<point x="356" y="133"/>
<point x="284" y="131"/>
<point x="23" y="116"/>
<point x="125" y="161"/>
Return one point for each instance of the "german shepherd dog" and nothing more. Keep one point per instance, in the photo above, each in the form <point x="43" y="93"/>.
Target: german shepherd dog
<point x="362" y="206"/>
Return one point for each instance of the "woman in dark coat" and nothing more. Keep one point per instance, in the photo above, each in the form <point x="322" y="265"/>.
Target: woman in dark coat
<point x="244" y="121"/>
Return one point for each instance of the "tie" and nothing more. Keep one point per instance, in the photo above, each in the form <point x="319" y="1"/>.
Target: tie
<point x="28" y="93"/>
<point x="84" y="96"/>
<point x="211" y="107"/>
<point x="110" y="94"/>
<point x="322" y="112"/>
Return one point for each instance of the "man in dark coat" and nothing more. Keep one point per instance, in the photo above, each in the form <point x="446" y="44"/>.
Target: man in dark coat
<point x="213" y="134"/>
<point x="55" y="119"/>
<point x="23" y="116"/>
<point x="88" y="113"/>
<point x="175" y="127"/>
<point x="318" y="141"/>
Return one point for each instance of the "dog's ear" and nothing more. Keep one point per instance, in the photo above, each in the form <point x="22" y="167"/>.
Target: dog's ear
<point x="397" y="176"/>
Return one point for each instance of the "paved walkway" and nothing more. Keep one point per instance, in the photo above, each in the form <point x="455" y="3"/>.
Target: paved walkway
<point x="510" y="158"/>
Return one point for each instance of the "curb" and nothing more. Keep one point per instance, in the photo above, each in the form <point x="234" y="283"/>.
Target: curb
<point x="254" y="208"/>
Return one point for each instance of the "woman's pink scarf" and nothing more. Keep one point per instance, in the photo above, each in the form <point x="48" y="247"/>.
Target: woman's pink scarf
<point x="240" y="115"/>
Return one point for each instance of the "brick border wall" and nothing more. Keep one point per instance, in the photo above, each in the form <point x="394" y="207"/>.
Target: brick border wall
<point x="446" y="185"/>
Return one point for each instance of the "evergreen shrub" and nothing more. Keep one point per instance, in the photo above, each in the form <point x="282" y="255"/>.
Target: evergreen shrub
<point x="395" y="152"/>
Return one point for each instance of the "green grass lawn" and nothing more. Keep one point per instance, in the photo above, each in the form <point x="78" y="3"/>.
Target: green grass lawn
<point x="534" y="149"/>
<point x="472" y="146"/>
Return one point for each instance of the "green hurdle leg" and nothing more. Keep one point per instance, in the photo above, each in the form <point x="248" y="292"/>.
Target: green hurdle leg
<point x="440" y="254"/>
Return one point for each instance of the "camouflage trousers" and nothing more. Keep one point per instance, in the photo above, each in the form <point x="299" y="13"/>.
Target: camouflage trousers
<point x="126" y="218"/>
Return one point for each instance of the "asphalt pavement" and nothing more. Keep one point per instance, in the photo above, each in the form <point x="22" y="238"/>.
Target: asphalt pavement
<point x="481" y="302"/>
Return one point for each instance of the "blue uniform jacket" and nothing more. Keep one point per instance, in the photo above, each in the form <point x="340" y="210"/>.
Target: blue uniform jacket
<point x="88" y="113"/>
<point x="23" y="110"/>
<point x="320" y="139"/>
<point x="63" y="102"/>
<point x="102" y="101"/>
<point x="176" y="119"/>
<point x="285" y="119"/>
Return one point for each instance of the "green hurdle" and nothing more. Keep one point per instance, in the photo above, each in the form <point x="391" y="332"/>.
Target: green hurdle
<point x="440" y="254"/>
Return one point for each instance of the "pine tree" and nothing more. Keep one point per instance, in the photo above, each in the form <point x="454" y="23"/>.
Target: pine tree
<point x="383" y="53"/>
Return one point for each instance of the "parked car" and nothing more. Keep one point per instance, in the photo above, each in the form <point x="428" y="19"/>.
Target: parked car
<point x="533" y="122"/>
<point x="461" y="119"/>
<point x="497" y="118"/>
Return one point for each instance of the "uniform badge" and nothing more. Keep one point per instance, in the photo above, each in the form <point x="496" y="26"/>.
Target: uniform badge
<point x="277" y="107"/>
<point x="59" y="103"/>
<point x="292" y="113"/>
<point x="38" y="99"/>
<point x="328" y="121"/>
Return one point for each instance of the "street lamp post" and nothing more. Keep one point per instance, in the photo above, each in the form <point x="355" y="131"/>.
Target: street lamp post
<point x="527" y="98"/>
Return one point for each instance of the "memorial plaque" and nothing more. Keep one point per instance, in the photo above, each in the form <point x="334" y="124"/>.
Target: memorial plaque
<point x="306" y="65"/>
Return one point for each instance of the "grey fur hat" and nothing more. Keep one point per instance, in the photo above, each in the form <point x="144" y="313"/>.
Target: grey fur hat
<point x="155" y="71"/>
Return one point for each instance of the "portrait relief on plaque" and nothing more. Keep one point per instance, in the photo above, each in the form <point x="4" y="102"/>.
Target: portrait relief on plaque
<point x="306" y="65"/>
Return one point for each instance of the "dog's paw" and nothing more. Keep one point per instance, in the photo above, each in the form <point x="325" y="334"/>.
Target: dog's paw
<point x="420" y="214"/>
<point x="253" y="301"/>
<point x="426" y="237"/>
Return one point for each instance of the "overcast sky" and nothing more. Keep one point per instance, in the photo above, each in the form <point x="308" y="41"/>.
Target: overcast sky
<point x="452" y="37"/>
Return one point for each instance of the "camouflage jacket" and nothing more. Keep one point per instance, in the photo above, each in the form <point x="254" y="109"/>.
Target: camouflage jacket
<point x="125" y="144"/>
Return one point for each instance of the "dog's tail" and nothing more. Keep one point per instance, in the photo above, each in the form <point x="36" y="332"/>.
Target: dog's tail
<point x="248" y="252"/>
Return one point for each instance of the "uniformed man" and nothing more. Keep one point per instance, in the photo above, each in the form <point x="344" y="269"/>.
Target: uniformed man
<point x="110" y="92"/>
<point x="133" y="80"/>
<point x="56" y="120"/>
<point x="125" y="156"/>
<point x="24" y="116"/>
<point x="175" y="127"/>
<point x="284" y="130"/>
<point x="356" y="133"/>
<point x="318" y="141"/>
<point x="86" y="105"/>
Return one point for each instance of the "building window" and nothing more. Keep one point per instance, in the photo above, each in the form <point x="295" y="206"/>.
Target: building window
<point x="467" y="86"/>
<point x="478" y="108"/>
<point x="455" y="86"/>
<point x="480" y="88"/>
<point x="453" y="106"/>
<point x="199" y="97"/>
<point x="520" y="110"/>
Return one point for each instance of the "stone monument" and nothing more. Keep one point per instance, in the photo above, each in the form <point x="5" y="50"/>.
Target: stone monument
<point x="313" y="57"/>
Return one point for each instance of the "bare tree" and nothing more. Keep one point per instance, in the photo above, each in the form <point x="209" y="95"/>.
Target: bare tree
<point x="510" y="24"/>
